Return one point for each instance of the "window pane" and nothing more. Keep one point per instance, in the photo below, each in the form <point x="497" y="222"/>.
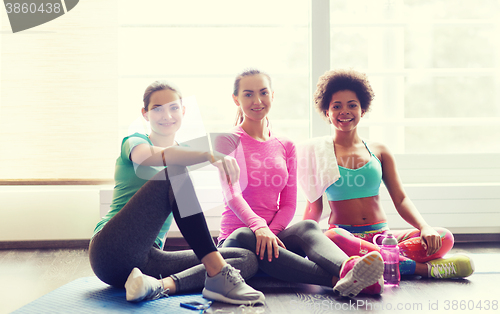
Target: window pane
<point x="452" y="139"/>
<point x="202" y="51"/>
<point x="445" y="9"/>
<point x="433" y="66"/>
<point x="58" y="102"/>
<point x="450" y="97"/>
<point x="450" y="46"/>
<point x="349" y="46"/>
<point x="225" y="13"/>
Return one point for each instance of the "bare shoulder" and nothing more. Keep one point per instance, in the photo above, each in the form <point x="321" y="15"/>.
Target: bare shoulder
<point x="379" y="149"/>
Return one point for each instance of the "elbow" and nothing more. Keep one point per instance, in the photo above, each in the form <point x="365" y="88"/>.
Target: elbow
<point x="399" y="201"/>
<point x="311" y="215"/>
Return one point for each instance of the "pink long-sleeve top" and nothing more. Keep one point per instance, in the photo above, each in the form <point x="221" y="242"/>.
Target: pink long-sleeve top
<point x="266" y="194"/>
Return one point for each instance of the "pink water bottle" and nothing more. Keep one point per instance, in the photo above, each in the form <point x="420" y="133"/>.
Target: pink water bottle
<point x="390" y="253"/>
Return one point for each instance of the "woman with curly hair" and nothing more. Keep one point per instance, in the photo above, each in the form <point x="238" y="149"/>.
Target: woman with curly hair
<point x="343" y="97"/>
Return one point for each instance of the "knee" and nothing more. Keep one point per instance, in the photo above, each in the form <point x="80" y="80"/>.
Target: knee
<point x="242" y="237"/>
<point x="243" y="233"/>
<point x="331" y="234"/>
<point x="447" y="238"/>
<point x="308" y="226"/>
<point x="445" y="234"/>
<point x="336" y="233"/>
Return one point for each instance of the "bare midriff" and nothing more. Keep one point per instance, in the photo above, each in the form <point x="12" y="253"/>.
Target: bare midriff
<point x="358" y="211"/>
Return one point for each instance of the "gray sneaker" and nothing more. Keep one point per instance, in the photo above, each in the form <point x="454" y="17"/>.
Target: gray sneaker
<point x="228" y="286"/>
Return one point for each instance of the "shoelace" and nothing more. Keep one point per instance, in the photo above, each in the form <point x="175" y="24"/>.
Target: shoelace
<point x="233" y="275"/>
<point x="444" y="270"/>
<point x="158" y="292"/>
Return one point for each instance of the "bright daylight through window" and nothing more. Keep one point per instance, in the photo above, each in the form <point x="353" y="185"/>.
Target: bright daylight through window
<point x="434" y="67"/>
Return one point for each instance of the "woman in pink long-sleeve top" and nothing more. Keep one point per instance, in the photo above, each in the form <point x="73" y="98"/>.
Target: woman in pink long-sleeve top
<point x="262" y="203"/>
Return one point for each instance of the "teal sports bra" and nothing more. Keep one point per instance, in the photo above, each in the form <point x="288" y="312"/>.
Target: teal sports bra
<point x="357" y="183"/>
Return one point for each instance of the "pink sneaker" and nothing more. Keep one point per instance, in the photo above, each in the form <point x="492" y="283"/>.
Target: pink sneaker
<point x="361" y="274"/>
<point x="376" y="288"/>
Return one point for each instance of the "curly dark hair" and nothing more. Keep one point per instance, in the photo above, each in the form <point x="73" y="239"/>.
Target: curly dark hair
<point x="338" y="80"/>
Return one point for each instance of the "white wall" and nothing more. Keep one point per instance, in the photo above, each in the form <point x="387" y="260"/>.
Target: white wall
<point x="48" y="212"/>
<point x="460" y="208"/>
<point x="71" y="212"/>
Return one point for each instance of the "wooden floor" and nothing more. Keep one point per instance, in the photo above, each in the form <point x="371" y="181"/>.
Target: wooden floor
<point x="26" y="275"/>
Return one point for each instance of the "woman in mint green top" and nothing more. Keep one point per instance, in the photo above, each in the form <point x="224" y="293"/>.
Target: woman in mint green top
<point x="127" y="182"/>
<point x="126" y="248"/>
<point x="356" y="217"/>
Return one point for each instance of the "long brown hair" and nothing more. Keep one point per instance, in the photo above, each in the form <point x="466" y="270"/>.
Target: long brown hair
<point x="249" y="72"/>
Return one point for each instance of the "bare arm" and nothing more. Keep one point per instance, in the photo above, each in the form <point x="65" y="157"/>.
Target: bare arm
<point x="314" y="210"/>
<point x="146" y="155"/>
<point x="405" y="207"/>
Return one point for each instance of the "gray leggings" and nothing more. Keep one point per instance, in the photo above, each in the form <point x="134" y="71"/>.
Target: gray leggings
<point x="305" y="238"/>
<point x="127" y="240"/>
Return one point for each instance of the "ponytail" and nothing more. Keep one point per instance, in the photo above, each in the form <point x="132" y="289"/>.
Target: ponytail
<point x="239" y="116"/>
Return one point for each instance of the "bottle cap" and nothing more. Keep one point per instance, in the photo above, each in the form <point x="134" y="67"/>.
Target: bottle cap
<point x="390" y="240"/>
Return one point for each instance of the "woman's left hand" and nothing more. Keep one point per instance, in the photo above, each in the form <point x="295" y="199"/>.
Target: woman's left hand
<point x="430" y="239"/>
<point x="266" y="240"/>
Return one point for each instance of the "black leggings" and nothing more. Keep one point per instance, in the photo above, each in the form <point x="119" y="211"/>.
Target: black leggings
<point x="304" y="238"/>
<point x="127" y="240"/>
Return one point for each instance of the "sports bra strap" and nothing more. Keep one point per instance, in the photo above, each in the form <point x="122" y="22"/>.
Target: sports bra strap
<point x="369" y="177"/>
<point x="367" y="147"/>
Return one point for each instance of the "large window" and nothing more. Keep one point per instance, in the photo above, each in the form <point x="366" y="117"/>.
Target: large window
<point x="72" y="88"/>
<point x="434" y="66"/>
<point x="201" y="48"/>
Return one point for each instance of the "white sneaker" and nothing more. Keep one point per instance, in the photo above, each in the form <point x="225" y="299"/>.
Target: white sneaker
<point x="143" y="287"/>
<point x="228" y="286"/>
<point x="360" y="273"/>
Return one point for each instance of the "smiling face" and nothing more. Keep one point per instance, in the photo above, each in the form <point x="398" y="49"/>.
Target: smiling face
<point x="164" y="112"/>
<point x="254" y="97"/>
<point x="345" y="110"/>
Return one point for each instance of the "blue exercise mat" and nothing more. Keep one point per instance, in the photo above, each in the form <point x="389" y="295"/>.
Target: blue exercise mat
<point x="90" y="295"/>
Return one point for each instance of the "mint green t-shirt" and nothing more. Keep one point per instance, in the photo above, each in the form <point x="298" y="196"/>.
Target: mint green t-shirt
<point x="129" y="178"/>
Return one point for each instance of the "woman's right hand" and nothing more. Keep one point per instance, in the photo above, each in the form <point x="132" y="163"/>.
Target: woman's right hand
<point x="227" y="165"/>
<point x="266" y="239"/>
